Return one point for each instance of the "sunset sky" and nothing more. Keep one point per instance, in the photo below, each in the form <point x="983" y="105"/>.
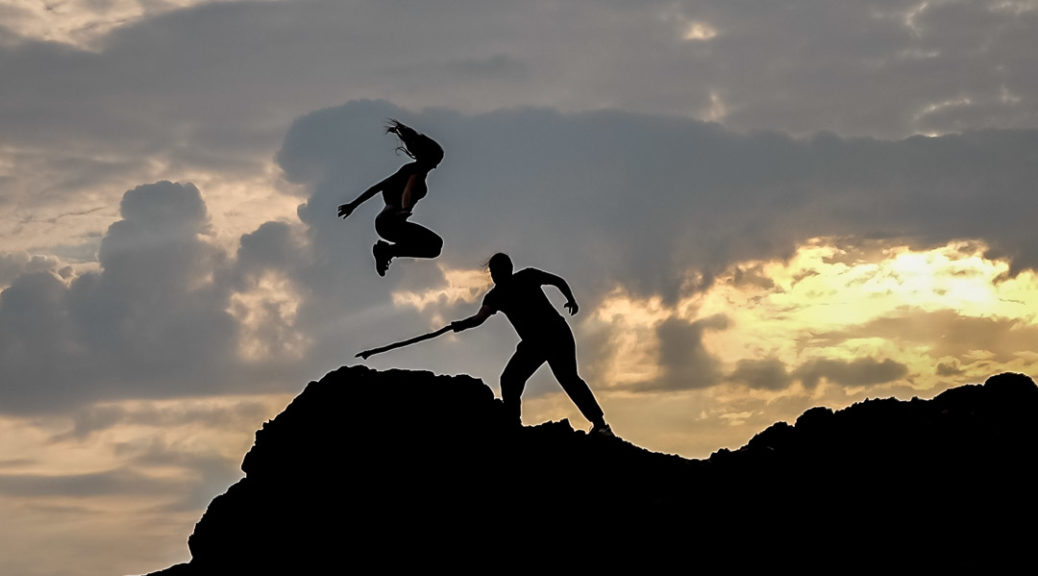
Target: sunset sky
<point x="760" y="206"/>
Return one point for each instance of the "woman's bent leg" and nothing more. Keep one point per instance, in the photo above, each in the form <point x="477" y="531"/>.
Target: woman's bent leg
<point x="412" y="240"/>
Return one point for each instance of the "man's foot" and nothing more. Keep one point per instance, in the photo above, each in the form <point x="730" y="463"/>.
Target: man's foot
<point x="602" y="430"/>
<point x="381" y="252"/>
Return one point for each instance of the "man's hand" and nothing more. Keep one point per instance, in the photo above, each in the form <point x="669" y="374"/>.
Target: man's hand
<point x="572" y="307"/>
<point x="345" y="210"/>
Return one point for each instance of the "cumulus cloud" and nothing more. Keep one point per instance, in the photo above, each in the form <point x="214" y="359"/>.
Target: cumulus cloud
<point x="75" y="119"/>
<point x="13" y="265"/>
<point x="657" y="205"/>
<point x="766" y="62"/>
<point x="645" y="199"/>
<point x="154" y="316"/>
<point x="572" y="143"/>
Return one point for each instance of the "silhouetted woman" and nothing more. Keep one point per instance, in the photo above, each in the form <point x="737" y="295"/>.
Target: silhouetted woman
<point x="401" y="192"/>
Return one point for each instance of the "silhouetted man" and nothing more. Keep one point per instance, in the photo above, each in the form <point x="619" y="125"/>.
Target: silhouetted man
<point x="545" y="337"/>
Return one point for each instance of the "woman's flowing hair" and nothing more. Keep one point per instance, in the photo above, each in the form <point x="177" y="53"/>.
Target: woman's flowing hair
<point x="416" y="145"/>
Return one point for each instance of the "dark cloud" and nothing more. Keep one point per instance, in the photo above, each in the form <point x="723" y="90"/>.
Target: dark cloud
<point x="645" y="199"/>
<point x="603" y="199"/>
<point x="792" y="65"/>
<point x="686" y="363"/>
<point x="212" y="87"/>
<point x="152" y="321"/>
<point x="94" y="418"/>
<point x="765" y="374"/>
<point x="158" y="303"/>
<point x="656" y="203"/>
<point x="859" y="372"/>
<point x="272" y="247"/>
<point x="14" y="265"/>
<point x="117" y="482"/>
<point x="164" y="209"/>
<point x="948" y="369"/>
<point x="752" y="276"/>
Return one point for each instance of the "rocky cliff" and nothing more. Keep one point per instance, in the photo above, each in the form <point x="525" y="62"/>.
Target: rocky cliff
<point x="410" y="469"/>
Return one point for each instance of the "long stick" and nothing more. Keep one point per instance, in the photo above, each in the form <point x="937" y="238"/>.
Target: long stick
<point x="414" y="340"/>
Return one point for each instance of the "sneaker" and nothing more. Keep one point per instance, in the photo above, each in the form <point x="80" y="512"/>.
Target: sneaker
<point x="604" y="430"/>
<point x="381" y="257"/>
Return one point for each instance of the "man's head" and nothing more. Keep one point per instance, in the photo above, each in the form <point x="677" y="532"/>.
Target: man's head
<point x="500" y="267"/>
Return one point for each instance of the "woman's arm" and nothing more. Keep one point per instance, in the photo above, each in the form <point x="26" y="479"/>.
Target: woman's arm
<point x="348" y="208"/>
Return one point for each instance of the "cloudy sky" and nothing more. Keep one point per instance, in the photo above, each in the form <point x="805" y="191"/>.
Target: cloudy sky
<point x="761" y="207"/>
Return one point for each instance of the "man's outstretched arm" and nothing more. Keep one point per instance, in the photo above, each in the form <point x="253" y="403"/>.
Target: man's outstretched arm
<point x="474" y="320"/>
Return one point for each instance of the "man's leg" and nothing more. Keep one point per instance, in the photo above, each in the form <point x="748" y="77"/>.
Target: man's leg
<point x="520" y="367"/>
<point x="562" y="358"/>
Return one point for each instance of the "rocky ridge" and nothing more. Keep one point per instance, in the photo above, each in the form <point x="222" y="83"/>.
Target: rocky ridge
<point x="412" y="469"/>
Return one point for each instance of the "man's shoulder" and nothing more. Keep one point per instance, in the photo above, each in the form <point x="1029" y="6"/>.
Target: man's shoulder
<point x="490" y="298"/>
<point x="529" y="273"/>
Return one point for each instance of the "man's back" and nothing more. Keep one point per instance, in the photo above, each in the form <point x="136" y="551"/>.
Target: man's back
<point x="525" y="305"/>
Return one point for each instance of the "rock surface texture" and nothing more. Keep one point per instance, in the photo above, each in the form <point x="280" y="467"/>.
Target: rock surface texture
<point x="411" y="470"/>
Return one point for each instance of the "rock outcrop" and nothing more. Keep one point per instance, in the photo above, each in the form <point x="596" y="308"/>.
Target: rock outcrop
<point x="409" y="469"/>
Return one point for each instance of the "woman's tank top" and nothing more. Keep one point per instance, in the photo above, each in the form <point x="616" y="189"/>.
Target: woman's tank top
<point x="393" y="192"/>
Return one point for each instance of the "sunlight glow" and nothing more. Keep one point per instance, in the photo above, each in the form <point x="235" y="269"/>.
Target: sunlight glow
<point x="700" y="31"/>
<point x="463" y="285"/>
<point x="941" y="106"/>
<point x="238" y="204"/>
<point x="630" y="325"/>
<point x="135" y="470"/>
<point x="862" y="313"/>
<point x="80" y="23"/>
<point x="717" y="111"/>
<point x="266" y="315"/>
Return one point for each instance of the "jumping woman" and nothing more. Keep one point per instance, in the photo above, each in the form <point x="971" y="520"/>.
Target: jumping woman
<point x="401" y="192"/>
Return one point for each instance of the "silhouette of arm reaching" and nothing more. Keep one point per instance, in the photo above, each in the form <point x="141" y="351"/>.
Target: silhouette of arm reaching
<point x="348" y="208"/>
<point x="472" y="321"/>
<point x="549" y="279"/>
